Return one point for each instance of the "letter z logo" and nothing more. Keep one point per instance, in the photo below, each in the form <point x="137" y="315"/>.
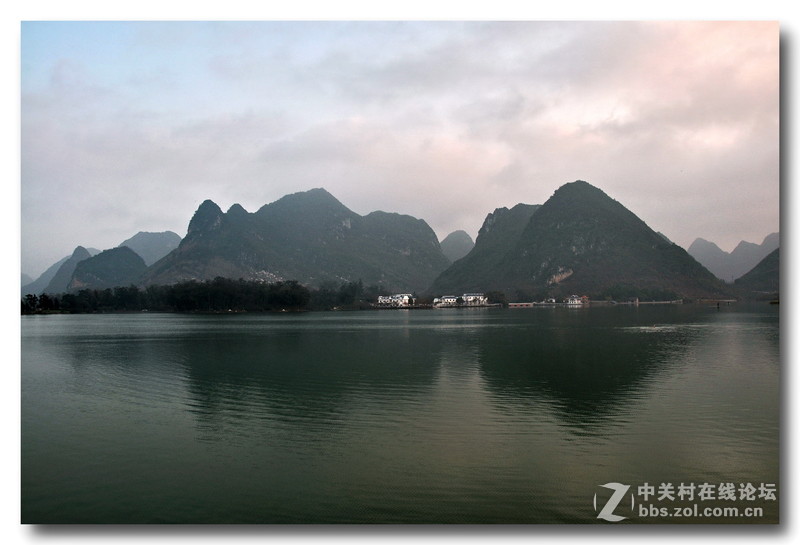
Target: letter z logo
<point x="607" y="512"/>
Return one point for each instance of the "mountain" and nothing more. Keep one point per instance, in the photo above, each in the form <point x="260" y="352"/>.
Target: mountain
<point x="729" y="266"/>
<point x="763" y="280"/>
<point x="60" y="280"/>
<point x="580" y="241"/>
<point x="665" y="237"/>
<point x="747" y="255"/>
<point x="308" y="236"/>
<point x="119" y="266"/>
<point x="25" y="279"/>
<point x="41" y="284"/>
<point x="496" y="239"/>
<point x="711" y="256"/>
<point x="456" y="245"/>
<point x="152" y="246"/>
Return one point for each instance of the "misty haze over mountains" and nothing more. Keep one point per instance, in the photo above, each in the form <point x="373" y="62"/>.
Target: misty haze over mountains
<point x="579" y="241"/>
<point x="730" y="266"/>
<point x="57" y="278"/>
<point x="456" y="245"/>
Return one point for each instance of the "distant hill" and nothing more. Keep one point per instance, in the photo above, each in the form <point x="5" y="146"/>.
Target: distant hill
<point x="111" y="268"/>
<point x="456" y="245"/>
<point x="310" y="237"/>
<point x="59" y="283"/>
<point x="730" y="266"/>
<point x="763" y="281"/>
<point x="711" y="256"/>
<point x="41" y="284"/>
<point x="580" y="241"/>
<point x="152" y="246"/>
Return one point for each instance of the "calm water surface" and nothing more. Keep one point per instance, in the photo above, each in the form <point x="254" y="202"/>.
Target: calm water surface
<point x="443" y="416"/>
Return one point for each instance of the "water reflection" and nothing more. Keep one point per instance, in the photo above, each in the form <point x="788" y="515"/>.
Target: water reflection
<point x="473" y="416"/>
<point x="587" y="370"/>
<point x="304" y="377"/>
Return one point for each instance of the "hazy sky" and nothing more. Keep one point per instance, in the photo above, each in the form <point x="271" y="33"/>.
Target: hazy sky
<point x="128" y="127"/>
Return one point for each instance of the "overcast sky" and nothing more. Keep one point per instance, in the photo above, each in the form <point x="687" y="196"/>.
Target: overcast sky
<point x="128" y="127"/>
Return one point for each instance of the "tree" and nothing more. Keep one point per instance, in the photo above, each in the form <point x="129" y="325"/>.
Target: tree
<point x="47" y="303"/>
<point x="30" y="304"/>
<point x="498" y="297"/>
<point x="350" y="292"/>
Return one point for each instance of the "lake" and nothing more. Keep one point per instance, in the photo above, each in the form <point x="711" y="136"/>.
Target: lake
<point x="397" y="416"/>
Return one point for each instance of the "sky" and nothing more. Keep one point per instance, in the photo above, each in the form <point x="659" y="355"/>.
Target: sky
<point x="129" y="126"/>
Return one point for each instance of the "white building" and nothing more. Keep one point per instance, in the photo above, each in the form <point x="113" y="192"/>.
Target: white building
<point x="475" y="299"/>
<point x="397" y="300"/>
<point x="468" y="299"/>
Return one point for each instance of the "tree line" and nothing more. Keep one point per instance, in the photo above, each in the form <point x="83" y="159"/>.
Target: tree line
<point x="217" y="295"/>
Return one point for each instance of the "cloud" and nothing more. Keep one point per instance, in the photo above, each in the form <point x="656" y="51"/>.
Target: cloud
<point x="444" y="121"/>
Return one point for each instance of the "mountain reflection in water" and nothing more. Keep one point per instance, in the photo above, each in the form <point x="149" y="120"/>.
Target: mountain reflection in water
<point x="451" y="416"/>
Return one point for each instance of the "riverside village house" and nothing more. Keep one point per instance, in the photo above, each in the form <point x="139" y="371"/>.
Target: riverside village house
<point x="468" y="300"/>
<point x="408" y="300"/>
<point x="397" y="300"/>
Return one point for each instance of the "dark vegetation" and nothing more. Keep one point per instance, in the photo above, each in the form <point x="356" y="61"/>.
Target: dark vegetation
<point x="218" y="295"/>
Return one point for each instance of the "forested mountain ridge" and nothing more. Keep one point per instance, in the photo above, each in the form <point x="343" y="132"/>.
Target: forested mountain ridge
<point x="310" y="237"/>
<point x="584" y="242"/>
